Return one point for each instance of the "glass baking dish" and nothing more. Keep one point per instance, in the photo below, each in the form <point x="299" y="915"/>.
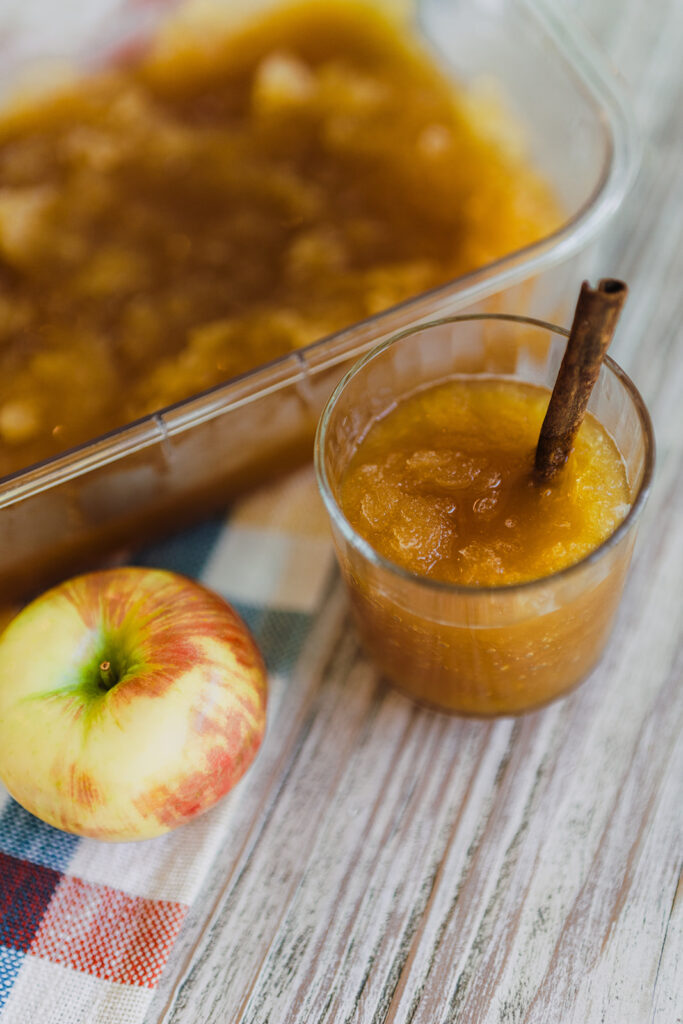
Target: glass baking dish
<point x="184" y="461"/>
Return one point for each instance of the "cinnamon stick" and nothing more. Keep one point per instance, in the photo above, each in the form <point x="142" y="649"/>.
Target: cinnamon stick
<point x="595" y="319"/>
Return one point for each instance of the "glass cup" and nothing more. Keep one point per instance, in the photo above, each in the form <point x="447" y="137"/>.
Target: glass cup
<point x="466" y="649"/>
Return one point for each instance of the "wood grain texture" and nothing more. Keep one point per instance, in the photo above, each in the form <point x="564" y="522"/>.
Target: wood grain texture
<point x="391" y="864"/>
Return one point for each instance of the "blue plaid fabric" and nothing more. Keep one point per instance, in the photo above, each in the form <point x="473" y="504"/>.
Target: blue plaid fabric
<point x="64" y="900"/>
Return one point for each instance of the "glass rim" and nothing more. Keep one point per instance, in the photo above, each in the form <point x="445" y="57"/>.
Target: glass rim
<point x="443" y="586"/>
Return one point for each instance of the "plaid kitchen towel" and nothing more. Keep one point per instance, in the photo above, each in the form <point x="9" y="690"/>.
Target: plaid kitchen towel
<point x="86" y="928"/>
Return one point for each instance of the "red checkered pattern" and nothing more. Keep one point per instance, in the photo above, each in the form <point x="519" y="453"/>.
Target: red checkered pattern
<point x="108" y="934"/>
<point x="75" y="946"/>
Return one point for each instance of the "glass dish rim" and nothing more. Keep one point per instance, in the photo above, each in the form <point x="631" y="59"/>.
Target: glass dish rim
<point x="436" y="587"/>
<point x="590" y="71"/>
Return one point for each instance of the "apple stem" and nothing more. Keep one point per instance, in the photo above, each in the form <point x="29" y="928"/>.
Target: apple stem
<point x="107" y="678"/>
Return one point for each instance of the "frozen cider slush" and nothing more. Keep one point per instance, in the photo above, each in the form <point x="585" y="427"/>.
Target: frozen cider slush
<point x="443" y="486"/>
<point x="478" y="587"/>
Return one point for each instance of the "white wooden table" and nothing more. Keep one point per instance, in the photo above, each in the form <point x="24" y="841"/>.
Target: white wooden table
<point x="409" y="867"/>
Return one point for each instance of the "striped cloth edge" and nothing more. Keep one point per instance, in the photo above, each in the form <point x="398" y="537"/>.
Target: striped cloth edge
<point x="86" y="928"/>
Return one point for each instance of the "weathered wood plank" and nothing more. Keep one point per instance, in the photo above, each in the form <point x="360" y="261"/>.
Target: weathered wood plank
<point x="667" y="992"/>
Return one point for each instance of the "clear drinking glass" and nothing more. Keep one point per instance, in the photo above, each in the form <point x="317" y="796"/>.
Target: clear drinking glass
<point x="480" y="650"/>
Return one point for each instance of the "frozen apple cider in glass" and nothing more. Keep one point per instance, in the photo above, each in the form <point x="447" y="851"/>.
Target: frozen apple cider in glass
<point x="443" y="486"/>
<point x="479" y="587"/>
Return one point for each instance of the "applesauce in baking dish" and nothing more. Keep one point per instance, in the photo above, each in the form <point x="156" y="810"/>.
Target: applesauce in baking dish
<point x="196" y="212"/>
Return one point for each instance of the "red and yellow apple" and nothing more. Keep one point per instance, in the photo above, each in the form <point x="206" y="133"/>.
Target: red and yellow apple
<point x="130" y="700"/>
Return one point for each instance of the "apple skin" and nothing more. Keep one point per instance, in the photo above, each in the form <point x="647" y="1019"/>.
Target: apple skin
<point x="176" y="731"/>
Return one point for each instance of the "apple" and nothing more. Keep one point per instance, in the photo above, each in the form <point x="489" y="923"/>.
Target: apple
<point x="131" y="700"/>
